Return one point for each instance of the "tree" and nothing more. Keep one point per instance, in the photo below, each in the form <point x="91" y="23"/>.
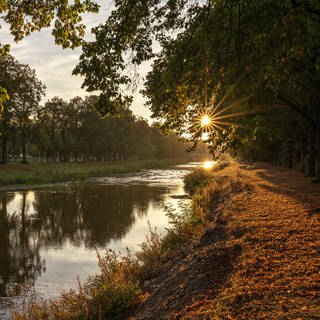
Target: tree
<point x="25" y="17"/>
<point x="50" y="123"/>
<point x="25" y="92"/>
<point x="128" y="32"/>
<point x="29" y="91"/>
<point x="8" y="72"/>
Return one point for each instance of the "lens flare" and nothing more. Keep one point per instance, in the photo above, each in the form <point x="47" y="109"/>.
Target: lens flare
<point x="205" y="121"/>
<point x="208" y="164"/>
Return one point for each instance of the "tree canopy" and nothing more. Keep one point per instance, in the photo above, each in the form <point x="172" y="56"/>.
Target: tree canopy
<point x="127" y="37"/>
<point x="252" y="65"/>
<point x="25" y="91"/>
<point x="25" y="17"/>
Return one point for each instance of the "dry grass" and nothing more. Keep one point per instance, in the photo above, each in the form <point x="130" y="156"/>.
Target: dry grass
<point x="109" y="295"/>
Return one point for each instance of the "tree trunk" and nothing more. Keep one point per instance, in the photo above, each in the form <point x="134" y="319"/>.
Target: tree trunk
<point x="317" y="142"/>
<point x="24" y="149"/>
<point x="302" y="165"/>
<point x="4" y="140"/>
<point x="4" y="151"/>
<point x="24" y="152"/>
<point x="311" y="156"/>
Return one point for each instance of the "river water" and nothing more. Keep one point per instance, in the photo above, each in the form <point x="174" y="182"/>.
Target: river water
<point x="48" y="235"/>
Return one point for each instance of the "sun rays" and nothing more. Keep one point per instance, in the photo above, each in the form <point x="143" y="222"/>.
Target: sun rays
<point x="216" y="117"/>
<point x="209" y="120"/>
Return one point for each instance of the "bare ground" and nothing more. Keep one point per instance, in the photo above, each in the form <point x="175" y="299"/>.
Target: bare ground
<point x="259" y="257"/>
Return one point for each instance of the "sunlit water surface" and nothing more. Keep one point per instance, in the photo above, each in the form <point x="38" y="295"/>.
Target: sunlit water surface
<point x="48" y="236"/>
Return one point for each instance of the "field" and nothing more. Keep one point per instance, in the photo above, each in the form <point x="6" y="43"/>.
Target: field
<point x="31" y="174"/>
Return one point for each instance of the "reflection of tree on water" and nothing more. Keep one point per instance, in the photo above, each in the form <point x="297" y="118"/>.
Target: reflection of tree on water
<point x="82" y="214"/>
<point x="19" y="249"/>
<point x="90" y="213"/>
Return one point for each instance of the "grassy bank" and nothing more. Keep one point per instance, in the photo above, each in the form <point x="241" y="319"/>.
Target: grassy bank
<point x="30" y="174"/>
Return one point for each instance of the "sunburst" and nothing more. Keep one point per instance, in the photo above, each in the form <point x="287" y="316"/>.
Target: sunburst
<point x="215" y="117"/>
<point x="206" y="121"/>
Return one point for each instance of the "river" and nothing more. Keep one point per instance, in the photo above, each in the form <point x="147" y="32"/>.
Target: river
<point x="48" y="235"/>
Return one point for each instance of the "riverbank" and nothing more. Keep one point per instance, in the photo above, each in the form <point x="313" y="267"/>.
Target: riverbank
<point x="249" y="249"/>
<point x="16" y="174"/>
<point x="257" y="256"/>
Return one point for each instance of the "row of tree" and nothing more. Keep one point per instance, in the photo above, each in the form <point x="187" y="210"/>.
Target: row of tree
<point x="71" y="131"/>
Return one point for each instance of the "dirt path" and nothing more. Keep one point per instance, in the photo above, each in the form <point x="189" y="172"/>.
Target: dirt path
<point x="258" y="259"/>
<point x="278" y="276"/>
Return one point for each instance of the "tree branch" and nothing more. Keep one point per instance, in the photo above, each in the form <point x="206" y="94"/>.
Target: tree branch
<point x="297" y="107"/>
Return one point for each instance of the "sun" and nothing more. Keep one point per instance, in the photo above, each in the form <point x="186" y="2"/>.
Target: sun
<point x="215" y="117"/>
<point x="205" y="120"/>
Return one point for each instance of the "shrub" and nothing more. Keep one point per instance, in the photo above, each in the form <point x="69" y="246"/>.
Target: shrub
<point x="195" y="180"/>
<point x="206" y="199"/>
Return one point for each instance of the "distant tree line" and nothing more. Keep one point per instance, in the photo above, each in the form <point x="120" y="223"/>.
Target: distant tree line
<point x="71" y="130"/>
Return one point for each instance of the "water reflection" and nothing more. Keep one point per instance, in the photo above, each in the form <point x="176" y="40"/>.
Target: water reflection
<point x="73" y="216"/>
<point x="208" y="164"/>
<point x="90" y="213"/>
<point x="20" y="261"/>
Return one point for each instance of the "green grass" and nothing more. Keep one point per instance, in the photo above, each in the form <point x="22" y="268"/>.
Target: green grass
<point x="31" y="174"/>
<point x="200" y="177"/>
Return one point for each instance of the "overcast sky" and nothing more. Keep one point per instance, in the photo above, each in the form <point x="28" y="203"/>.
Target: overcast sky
<point x="54" y="65"/>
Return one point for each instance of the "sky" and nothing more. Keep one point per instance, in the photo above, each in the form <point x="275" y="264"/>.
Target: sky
<point x="54" y="65"/>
